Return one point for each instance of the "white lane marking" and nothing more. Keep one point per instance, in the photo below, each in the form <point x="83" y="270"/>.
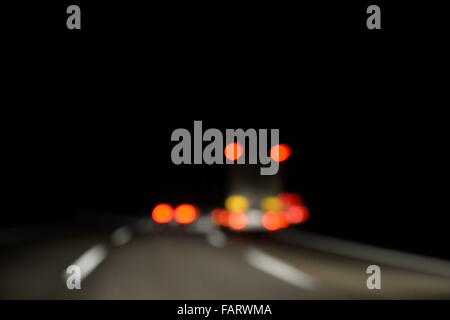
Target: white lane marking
<point x="90" y="260"/>
<point x="279" y="269"/>
<point x="121" y="236"/>
<point x="367" y="252"/>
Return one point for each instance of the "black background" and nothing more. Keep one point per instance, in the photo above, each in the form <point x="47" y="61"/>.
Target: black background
<point x="280" y="309"/>
<point x="88" y="113"/>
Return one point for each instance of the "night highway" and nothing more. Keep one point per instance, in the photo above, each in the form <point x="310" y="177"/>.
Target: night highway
<point x="140" y="260"/>
<point x="192" y="153"/>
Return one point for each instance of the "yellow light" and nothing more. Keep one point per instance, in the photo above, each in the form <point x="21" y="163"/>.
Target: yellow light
<point x="237" y="203"/>
<point x="272" y="204"/>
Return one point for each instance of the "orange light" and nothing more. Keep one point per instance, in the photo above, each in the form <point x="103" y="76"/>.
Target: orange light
<point x="237" y="220"/>
<point x="162" y="213"/>
<point x="297" y="214"/>
<point x="271" y="203"/>
<point x="280" y="152"/>
<point x="274" y="220"/>
<point x="233" y="151"/>
<point x="185" y="213"/>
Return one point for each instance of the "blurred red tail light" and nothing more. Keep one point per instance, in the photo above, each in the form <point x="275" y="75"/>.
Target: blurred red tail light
<point x="297" y="214"/>
<point x="272" y="221"/>
<point x="162" y="213"/>
<point x="233" y="151"/>
<point x="237" y="220"/>
<point x="186" y="213"/>
<point x="280" y="152"/>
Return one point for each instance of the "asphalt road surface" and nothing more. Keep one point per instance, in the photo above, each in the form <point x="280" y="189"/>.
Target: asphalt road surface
<point x="138" y="262"/>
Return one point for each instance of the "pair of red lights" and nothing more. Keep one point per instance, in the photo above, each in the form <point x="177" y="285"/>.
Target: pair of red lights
<point x="296" y="214"/>
<point x="279" y="212"/>
<point x="232" y="219"/>
<point x="279" y="152"/>
<point x="292" y="212"/>
<point x="183" y="214"/>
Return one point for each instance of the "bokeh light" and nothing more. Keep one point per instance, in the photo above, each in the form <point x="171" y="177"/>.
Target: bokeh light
<point x="162" y="213"/>
<point x="186" y="213"/>
<point x="237" y="203"/>
<point x="280" y="152"/>
<point x="297" y="214"/>
<point x="271" y="203"/>
<point x="233" y="151"/>
<point x="272" y="220"/>
<point x="290" y="199"/>
<point x="237" y="220"/>
<point x="220" y="216"/>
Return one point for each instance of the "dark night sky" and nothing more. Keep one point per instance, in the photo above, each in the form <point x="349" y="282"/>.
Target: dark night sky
<point x="95" y="112"/>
